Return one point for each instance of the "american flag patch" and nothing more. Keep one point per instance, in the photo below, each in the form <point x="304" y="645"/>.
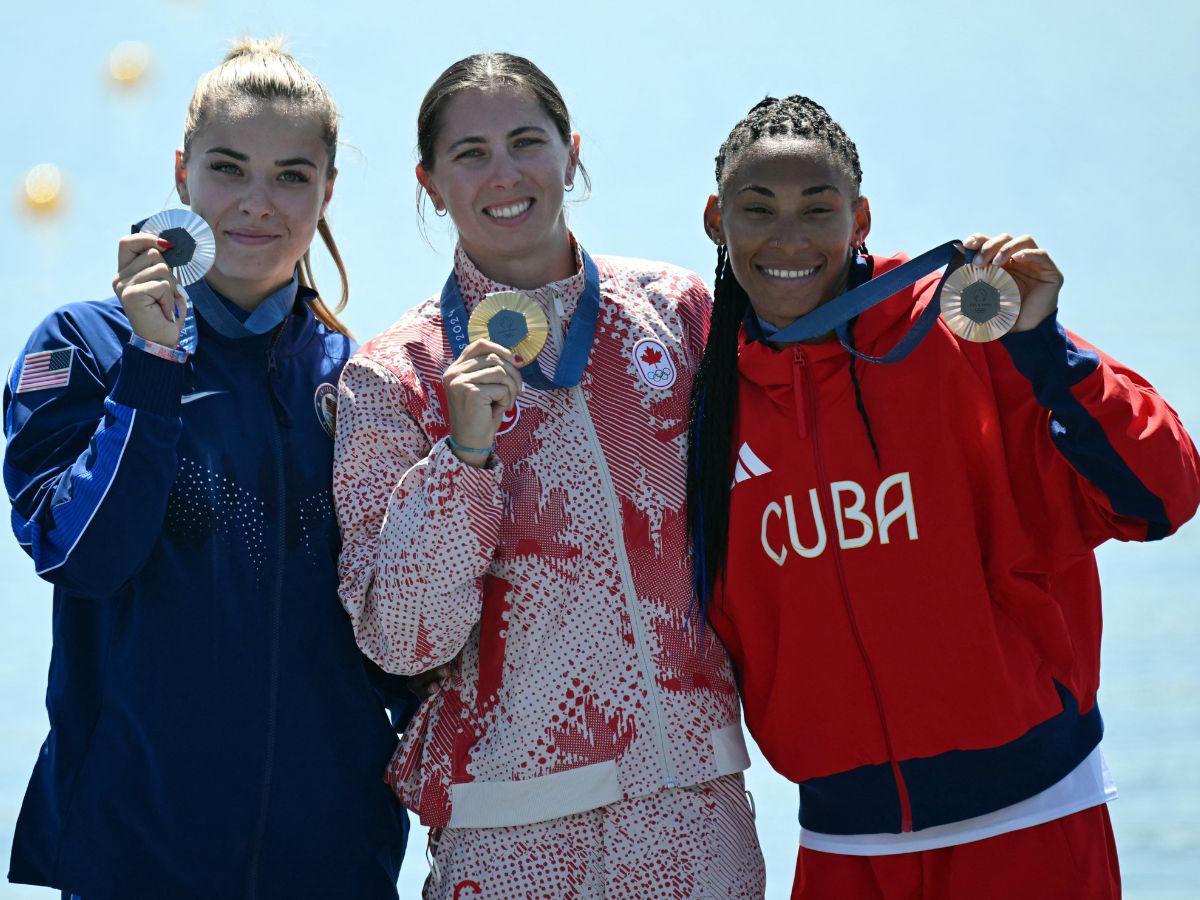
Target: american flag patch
<point x="47" y="369"/>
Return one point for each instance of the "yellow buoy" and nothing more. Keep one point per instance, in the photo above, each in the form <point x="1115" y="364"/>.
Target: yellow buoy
<point x="128" y="62"/>
<point x="43" y="188"/>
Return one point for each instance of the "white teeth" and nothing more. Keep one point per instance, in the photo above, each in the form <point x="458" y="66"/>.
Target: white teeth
<point x="790" y="273"/>
<point x="509" y="212"/>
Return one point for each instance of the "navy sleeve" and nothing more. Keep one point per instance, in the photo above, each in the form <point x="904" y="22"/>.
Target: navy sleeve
<point x="88" y="469"/>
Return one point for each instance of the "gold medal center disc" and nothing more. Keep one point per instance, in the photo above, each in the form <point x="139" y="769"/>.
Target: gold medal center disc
<point x="980" y="303"/>
<point x="513" y="320"/>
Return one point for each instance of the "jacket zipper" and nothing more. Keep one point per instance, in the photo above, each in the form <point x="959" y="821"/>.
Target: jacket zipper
<point x="276" y="613"/>
<point x="613" y="508"/>
<point x="812" y="426"/>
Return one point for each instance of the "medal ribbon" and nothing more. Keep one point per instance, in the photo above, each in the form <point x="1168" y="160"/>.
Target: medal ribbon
<point x="575" y="350"/>
<point x="836" y="314"/>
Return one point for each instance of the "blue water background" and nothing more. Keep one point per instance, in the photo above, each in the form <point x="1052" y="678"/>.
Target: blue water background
<point x="1074" y="121"/>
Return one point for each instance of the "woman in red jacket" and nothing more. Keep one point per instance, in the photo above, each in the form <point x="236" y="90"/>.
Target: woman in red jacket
<point x="900" y="558"/>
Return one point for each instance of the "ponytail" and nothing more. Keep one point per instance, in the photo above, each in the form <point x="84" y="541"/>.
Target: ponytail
<point x="323" y="313"/>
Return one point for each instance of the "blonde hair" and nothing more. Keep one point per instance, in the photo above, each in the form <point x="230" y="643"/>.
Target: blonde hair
<point x="256" y="69"/>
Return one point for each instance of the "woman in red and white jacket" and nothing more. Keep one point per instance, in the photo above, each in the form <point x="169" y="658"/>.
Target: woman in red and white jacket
<point x="587" y="739"/>
<point x="900" y="557"/>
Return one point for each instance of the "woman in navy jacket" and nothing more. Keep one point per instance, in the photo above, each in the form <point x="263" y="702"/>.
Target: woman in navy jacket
<point x="214" y="732"/>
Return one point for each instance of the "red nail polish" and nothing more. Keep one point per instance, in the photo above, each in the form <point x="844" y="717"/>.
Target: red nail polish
<point x="164" y="244"/>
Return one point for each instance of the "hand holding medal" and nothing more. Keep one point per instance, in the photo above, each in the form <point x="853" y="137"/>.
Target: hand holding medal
<point x="1028" y="267"/>
<point x="175" y="247"/>
<point x="481" y="386"/>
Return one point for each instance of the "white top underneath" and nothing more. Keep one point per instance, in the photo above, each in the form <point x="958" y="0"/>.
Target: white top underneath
<point x="1088" y="785"/>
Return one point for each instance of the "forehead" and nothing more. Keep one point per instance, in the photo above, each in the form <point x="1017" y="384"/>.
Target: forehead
<point x="785" y="162"/>
<point x="491" y="112"/>
<point x="247" y="125"/>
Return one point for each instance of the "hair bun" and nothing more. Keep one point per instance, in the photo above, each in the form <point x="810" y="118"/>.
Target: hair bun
<point x="252" y="46"/>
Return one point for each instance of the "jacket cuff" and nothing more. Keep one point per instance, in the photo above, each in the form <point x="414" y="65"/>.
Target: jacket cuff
<point x="1048" y="358"/>
<point x="148" y="382"/>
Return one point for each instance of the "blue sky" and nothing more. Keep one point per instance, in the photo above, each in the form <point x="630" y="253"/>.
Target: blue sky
<point x="1075" y="122"/>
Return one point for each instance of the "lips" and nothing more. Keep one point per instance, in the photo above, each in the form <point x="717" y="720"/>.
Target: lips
<point x="789" y="273"/>
<point x="251" y="238"/>
<point x="508" y="211"/>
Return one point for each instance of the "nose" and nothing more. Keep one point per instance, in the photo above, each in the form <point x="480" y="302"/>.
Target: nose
<point x="256" y="199"/>
<point x="505" y="172"/>
<point x="791" y="233"/>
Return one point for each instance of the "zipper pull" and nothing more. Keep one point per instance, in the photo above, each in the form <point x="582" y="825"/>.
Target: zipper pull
<point x="799" y="375"/>
<point x="274" y="388"/>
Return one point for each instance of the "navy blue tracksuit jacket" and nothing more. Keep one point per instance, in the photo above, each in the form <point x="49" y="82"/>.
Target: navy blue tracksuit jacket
<point x="214" y="732"/>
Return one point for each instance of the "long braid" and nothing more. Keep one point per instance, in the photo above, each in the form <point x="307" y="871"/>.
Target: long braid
<point x="858" y="395"/>
<point x="714" y="389"/>
<point x="710" y="438"/>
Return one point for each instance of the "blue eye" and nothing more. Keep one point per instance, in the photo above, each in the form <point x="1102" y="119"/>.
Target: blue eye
<point x="227" y="168"/>
<point x="291" y="176"/>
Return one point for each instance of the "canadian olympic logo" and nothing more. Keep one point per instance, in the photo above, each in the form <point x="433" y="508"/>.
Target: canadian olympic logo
<point x="654" y="364"/>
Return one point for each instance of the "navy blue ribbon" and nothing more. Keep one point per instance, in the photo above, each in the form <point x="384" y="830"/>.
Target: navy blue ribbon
<point x="837" y="314"/>
<point x="576" y="348"/>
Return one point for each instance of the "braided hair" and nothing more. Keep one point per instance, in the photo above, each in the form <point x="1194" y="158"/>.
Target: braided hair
<point x="714" y="389"/>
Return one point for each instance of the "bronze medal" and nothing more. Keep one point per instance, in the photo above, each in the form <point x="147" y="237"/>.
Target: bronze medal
<point x="980" y="303"/>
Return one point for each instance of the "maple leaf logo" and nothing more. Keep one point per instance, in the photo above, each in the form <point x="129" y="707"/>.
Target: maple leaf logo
<point x="651" y="357"/>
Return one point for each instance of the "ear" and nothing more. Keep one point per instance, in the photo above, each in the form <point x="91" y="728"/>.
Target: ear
<point x="328" y="191"/>
<point x="572" y="161"/>
<point x="862" y="222"/>
<point x="181" y="179"/>
<point x="712" y="220"/>
<point x="426" y="182"/>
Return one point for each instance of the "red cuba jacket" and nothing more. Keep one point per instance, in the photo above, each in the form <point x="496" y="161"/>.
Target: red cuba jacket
<point x="917" y="634"/>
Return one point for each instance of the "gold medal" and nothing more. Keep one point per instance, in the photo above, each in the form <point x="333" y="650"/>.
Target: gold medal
<point x="513" y="320"/>
<point x="980" y="303"/>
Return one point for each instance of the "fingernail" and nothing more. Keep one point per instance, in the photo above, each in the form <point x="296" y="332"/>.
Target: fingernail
<point x="164" y="244"/>
<point x="999" y="260"/>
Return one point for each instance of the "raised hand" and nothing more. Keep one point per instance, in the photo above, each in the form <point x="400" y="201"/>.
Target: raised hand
<point x="147" y="289"/>
<point x="481" y="386"/>
<point x="1036" y="274"/>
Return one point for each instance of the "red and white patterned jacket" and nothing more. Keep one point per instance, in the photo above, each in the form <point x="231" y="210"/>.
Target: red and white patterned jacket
<point x="558" y="578"/>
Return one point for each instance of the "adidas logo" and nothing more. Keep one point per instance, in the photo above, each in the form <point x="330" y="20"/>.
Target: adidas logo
<point x="748" y="466"/>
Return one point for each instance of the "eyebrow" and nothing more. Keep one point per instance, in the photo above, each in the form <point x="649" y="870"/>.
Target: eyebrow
<point x="807" y="192"/>
<point x="242" y="157"/>
<point x="476" y="139"/>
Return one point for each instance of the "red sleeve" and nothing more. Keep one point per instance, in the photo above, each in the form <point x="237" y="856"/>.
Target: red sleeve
<point x="1089" y="441"/>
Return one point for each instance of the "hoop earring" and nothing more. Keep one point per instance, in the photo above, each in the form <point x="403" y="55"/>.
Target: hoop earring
<point x="569" y="187"/>
<point x="440" y="213"/>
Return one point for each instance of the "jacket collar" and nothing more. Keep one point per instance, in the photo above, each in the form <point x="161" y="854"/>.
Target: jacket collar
<point x="473" y="285"/>
<point x="213" y="308"/>
<point x="875" y="331"/>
